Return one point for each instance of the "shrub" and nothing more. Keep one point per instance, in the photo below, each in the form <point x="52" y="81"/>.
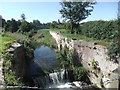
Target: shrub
<point x="80" y="73"/>
<point x="100" y="30"/>
<point x="9" y="75"/>
<point x="114" y="51"/>
<point x="68" y="58"/>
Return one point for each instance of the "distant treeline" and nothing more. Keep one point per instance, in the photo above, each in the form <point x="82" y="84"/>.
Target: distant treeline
<point x="23" y="26"/>
<point x="100" y="30"/>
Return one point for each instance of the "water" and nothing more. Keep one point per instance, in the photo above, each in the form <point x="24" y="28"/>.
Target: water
<point x="44" y="57"/>
<point x="56" y="80"/>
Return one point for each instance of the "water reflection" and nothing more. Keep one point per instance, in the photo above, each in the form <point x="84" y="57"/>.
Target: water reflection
<point x="45" y="57"/>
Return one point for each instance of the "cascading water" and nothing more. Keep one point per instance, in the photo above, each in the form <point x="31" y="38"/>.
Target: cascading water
<point x="54" y="77"/>
<point x="57" y="77"/>
<point x="56" y="80"/>
<point x="45" y="58"/>
<point x="51" y="80"/>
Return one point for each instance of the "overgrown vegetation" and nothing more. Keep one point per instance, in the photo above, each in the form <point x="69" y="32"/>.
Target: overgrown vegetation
<point x="10" y="78"/>
<point x="105" y="31"/>
<point x="68" y="59"/>
<point x="43" y="37"/>
<point x="31" y="34"/>
<point x="102" y="32"/>
<point x="9" y="74"/>
<point x="94" y="64"/>
<point x="81" y="74"/>
<point x="4" y="43"/>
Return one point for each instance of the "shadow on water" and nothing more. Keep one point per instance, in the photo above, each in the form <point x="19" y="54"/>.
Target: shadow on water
<point x="33" y="71"/>
<point x="44" y="57"/>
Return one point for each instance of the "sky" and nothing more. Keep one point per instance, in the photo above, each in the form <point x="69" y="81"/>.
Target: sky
<point x="49" y="11"/>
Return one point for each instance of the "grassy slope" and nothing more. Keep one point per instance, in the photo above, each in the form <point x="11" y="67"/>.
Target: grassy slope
<point x="47" y="39"/>
<point x="77" y="36"/>
<point x="17" y="36"/>
<point x="43" y="36"/>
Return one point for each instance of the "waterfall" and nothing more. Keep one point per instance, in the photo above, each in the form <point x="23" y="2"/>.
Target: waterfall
<point x="55" y="78"/>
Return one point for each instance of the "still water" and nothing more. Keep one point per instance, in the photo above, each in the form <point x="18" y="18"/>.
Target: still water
<point x="45" y="57"/>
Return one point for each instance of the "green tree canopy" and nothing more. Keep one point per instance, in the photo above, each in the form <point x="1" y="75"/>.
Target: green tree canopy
<point x="54" y="24"/>
<point x="74" y="12"/>
<point x="37" y="24"/>
<point x="25" y="27"/>
<point x="11" y="25"/>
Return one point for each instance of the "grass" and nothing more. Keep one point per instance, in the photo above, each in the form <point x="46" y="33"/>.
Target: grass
<point x="35" y="40"/>
<point x="17" y="36"/>
<point x="9" y="75"/>
<point x="43" y="36"/>
<point x="59" y="30"/>
<point x="47" y="39"/>
<point x="4" y="43"/>
<point x="77" y="36"/>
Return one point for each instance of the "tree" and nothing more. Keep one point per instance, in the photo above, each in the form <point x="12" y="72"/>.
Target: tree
<point x="23" y="17"/>
<point x="11" y="25"/>
<point x="54" y="24"/>
<point x="74" y="12"/>
<point x="37" y="24"/>
<point x="25" y="27"/>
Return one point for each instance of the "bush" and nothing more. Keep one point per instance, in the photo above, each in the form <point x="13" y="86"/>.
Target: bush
<point x="68" y="58"/>
<point x="80" y="73"/>
<point x="114" y="51"/>
<point x="100" y="30"/>
<point x="9" y="75"/>
<point x="28" y="50"/>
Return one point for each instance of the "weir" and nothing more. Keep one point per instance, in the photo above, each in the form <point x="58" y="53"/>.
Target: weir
<point x="51" y="80"/>
<point x="44" y="57"/>
<point x="57" y="80"/>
